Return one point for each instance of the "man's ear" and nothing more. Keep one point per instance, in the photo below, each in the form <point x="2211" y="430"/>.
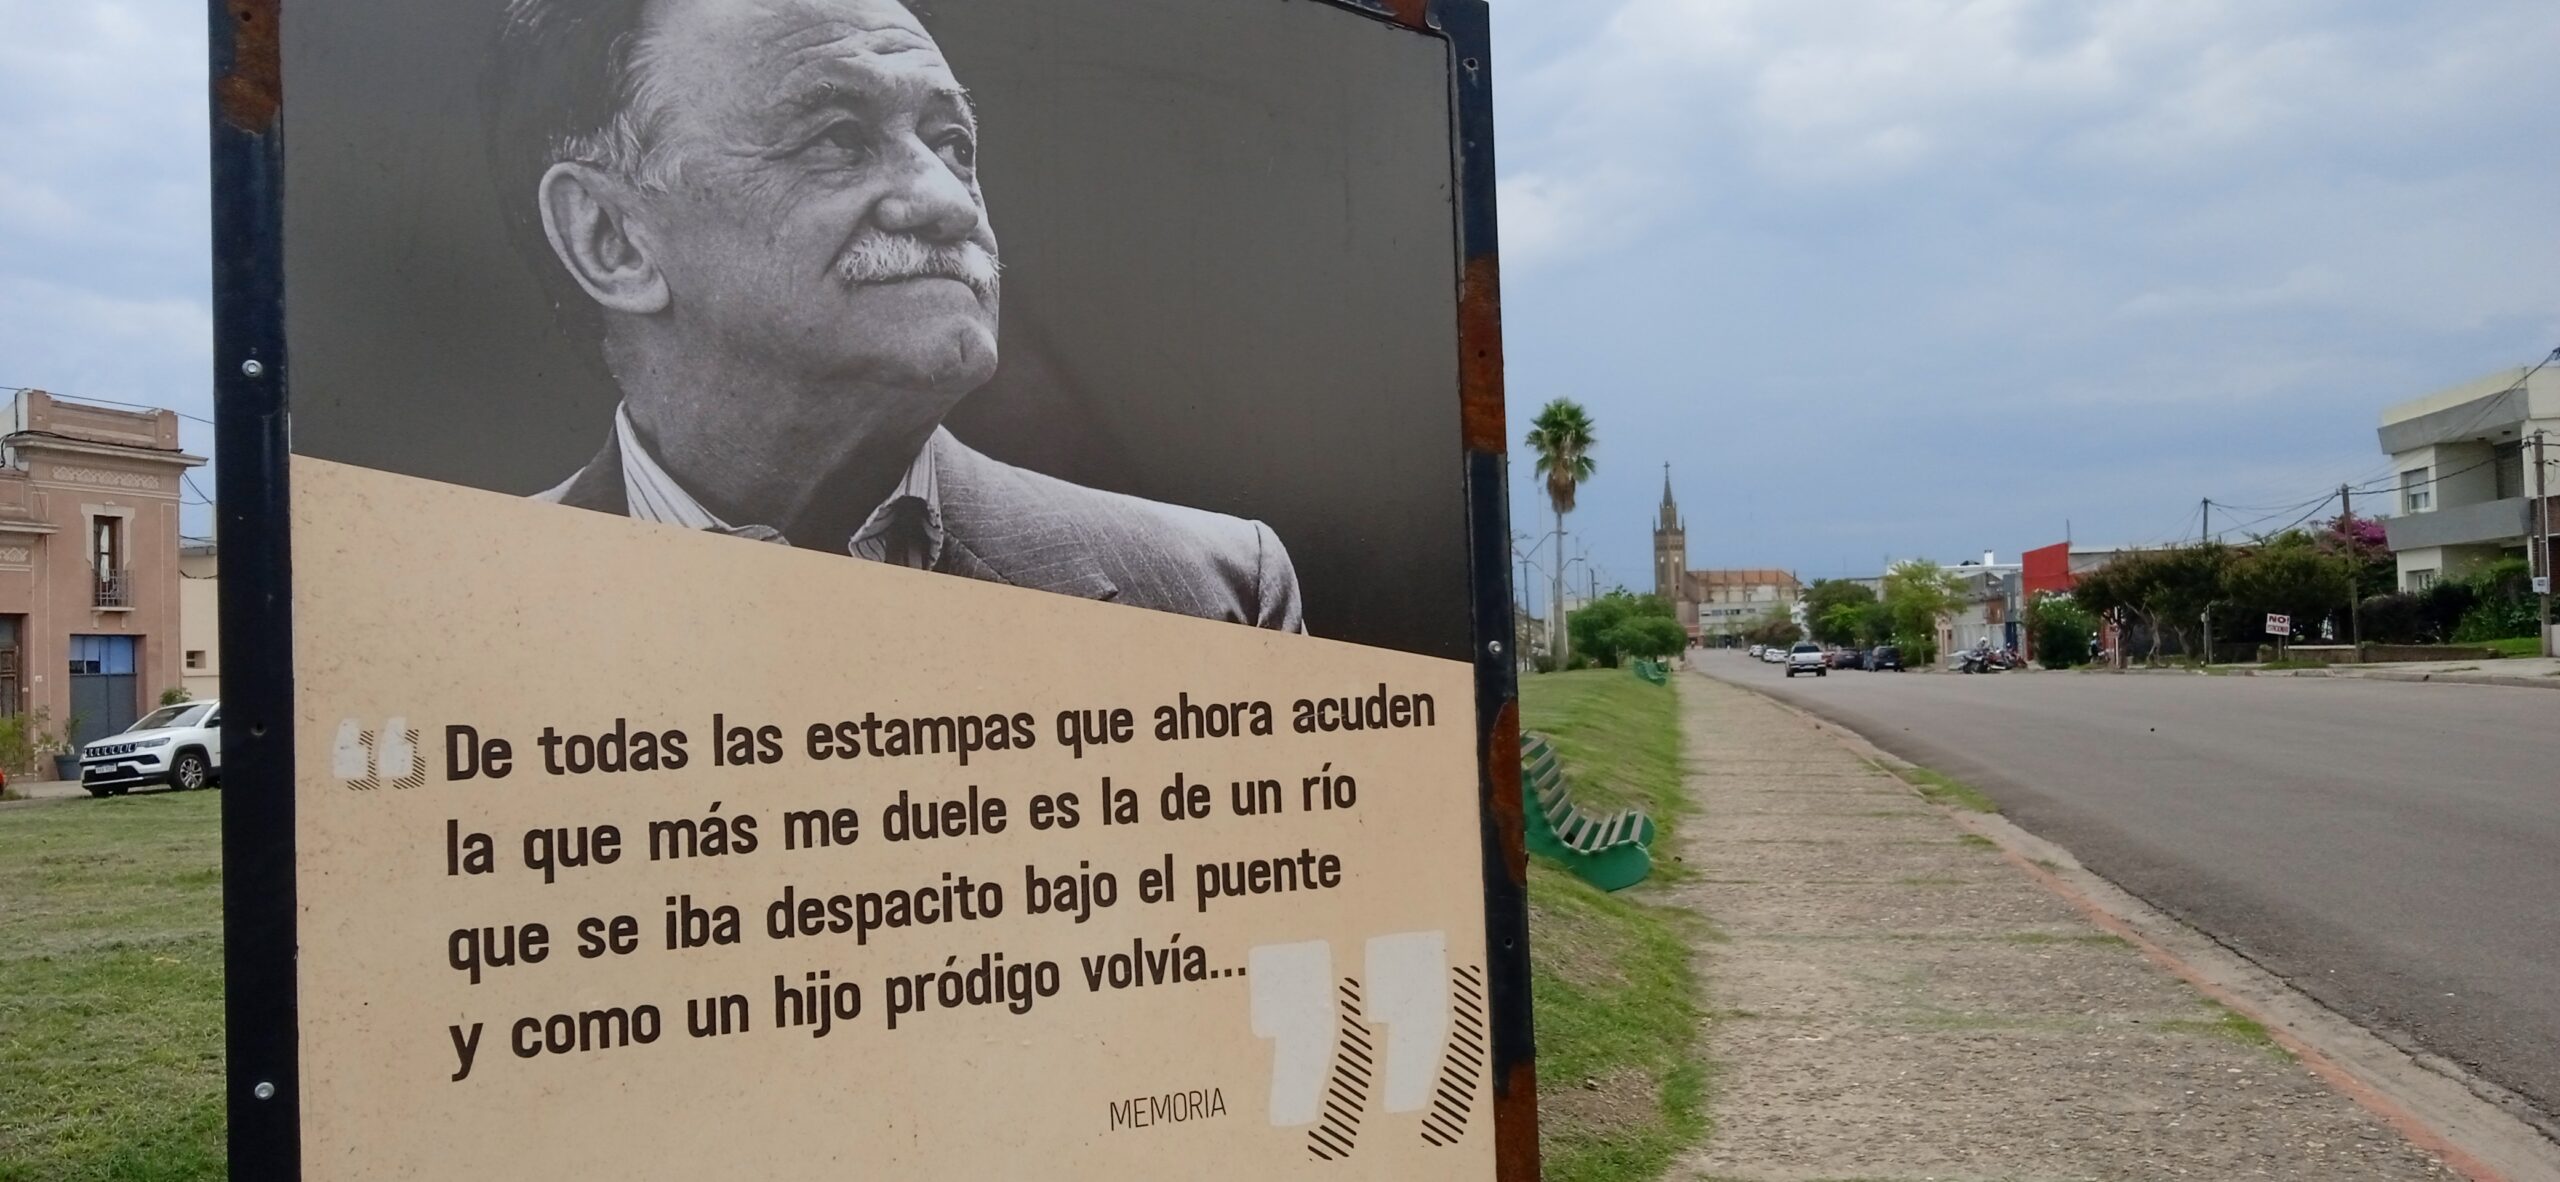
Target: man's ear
<point x="586" y="214"/>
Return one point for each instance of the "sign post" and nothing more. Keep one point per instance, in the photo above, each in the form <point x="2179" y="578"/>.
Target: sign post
<point x="2280" y="627"/>
<point x="929" y="605"/>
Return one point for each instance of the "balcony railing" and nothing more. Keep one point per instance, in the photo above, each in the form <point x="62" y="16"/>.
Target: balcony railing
<point x="115" y="588"/>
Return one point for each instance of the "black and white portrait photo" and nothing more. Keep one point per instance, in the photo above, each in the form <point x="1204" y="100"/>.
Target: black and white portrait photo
<point x="767" y="217"/>
<point x="1092" y="297"/>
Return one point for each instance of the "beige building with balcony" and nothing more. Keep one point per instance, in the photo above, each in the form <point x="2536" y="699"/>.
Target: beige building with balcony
<point x="2464" y="485"/>
<point x="89" y="603"/>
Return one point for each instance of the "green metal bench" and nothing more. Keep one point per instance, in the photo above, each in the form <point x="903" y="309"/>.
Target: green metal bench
<point x="1611" y="851"/>
<point x="1651" y="670"/>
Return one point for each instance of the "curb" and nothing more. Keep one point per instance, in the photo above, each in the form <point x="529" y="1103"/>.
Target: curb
<point x="2491" y="679"/>
<point x="2552" y="683"/>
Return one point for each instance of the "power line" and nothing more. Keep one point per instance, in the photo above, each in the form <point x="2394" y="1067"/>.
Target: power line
<point x="2314" y="510"/>
<point x="2244" y="527"/>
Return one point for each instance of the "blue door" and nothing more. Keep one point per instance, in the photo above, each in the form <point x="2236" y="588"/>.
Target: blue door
<point x="104" y="691"/>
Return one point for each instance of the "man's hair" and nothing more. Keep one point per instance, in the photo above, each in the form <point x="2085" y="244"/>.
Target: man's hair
<point x="568" y="82"/>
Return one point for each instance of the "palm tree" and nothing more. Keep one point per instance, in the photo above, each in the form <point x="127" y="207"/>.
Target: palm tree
<point x="1561" y="437"/>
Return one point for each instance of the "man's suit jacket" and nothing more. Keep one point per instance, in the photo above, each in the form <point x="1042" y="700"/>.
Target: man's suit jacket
<point x="1014" y="526"/>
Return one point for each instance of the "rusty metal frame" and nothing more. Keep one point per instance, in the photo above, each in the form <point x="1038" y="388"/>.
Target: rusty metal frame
<point x="251" y="380"/>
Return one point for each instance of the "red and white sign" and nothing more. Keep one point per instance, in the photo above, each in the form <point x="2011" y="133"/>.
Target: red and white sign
<point x="2279" y="625"/>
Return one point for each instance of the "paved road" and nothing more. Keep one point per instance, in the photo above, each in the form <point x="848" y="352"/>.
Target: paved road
<point x="2391" y="848"/>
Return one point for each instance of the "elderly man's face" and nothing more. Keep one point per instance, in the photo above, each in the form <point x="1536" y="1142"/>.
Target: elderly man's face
<point x="825" y="217"/>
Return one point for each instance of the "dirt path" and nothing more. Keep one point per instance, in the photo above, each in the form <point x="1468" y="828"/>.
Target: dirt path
<point x="1894" y="1000"/>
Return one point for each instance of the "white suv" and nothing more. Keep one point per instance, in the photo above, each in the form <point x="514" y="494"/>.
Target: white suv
<point x="1806" y="657"/>
<point x="179" y="745"/>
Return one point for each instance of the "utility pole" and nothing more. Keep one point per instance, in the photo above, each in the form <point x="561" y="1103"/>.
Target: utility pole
<point x="2542" y="542"/>
<point x="2205" y="532"/>
<point x="2355" y="594"/>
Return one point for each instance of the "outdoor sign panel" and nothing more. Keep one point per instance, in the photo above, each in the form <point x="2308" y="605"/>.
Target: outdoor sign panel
<point x="848" y="588"/>
<point x="2279" y="625"/>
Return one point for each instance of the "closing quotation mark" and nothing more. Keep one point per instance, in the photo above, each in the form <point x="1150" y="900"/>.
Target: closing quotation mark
<point x="367" y="760"/>
<point x="1327" y="1059"/>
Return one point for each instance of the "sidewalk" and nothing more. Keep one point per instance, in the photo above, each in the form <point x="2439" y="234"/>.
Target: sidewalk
<point x="1893" y="998"/>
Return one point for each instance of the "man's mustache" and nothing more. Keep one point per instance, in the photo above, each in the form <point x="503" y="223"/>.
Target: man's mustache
<point x="880" y="257"/>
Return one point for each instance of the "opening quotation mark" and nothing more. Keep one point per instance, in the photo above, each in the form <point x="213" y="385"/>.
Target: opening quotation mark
<point x="1328" y="1057"/>
<point x="367" y="759"/>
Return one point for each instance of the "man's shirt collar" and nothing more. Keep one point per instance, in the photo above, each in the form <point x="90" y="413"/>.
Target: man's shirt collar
<point x="914" y="507"/>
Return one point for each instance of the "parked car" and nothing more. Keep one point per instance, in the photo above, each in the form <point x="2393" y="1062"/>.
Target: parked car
<point x="1885" y="656"/>
<point x="1755" y="651"/>
<point x="1806" y="657"/>
<point x="179" y="745"/>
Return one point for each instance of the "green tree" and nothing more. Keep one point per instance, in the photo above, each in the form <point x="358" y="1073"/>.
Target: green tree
<point x="1562" y="438"/>
<point x="1845" y="624"/>
<point x="2166" y="591"/>
<point x="2292" y="575"/>
<point x="1599" y="628"/>
<point x="2117" y="590"/>
<point x="1651" y="636"/>
<point x="1775" y="626"/>
<point x="1835" y="609"/>
<point x="1591" y="627"/>
<point x="2188" y="581"/>
<point x="1918" y="595"/>
<point x="2061" y="628"/>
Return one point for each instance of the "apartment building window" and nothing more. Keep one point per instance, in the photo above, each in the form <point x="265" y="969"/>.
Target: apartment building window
<point x="195" y="658"/>
<point x="2509" y="465"/>
<point x="2417" y="580"/>
<point x="2416" y="495"/>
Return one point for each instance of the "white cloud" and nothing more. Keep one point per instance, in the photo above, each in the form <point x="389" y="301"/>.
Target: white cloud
<point x="1549" y="217"/>
<point x="2144" y="251"/>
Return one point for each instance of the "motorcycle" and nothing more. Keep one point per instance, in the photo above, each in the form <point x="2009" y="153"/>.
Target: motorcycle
<point x="1984" y="659"/>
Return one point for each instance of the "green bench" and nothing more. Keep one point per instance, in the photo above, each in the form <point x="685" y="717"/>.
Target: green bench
<point x="1610" y="851"/>
<point x="1651" y="670"/>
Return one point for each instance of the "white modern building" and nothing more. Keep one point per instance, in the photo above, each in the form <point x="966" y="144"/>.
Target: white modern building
<point x="2463" y="489"/>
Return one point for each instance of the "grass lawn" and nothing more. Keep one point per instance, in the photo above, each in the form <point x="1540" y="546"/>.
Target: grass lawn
<point x="2521" y="646"/>
<point x="1620" y="1089"/>
<point x="111" y="990"/>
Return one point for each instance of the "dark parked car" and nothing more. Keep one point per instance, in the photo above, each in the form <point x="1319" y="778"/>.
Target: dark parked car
<point x="1883" y="657"/>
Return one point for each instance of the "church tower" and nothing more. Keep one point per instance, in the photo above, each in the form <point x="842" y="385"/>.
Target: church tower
<point x="1670" y="549"/>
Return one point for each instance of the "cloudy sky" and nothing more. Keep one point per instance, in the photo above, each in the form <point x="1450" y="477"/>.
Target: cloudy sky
<point x="1935" y="276"/>
<point x="1877" y="277"/>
